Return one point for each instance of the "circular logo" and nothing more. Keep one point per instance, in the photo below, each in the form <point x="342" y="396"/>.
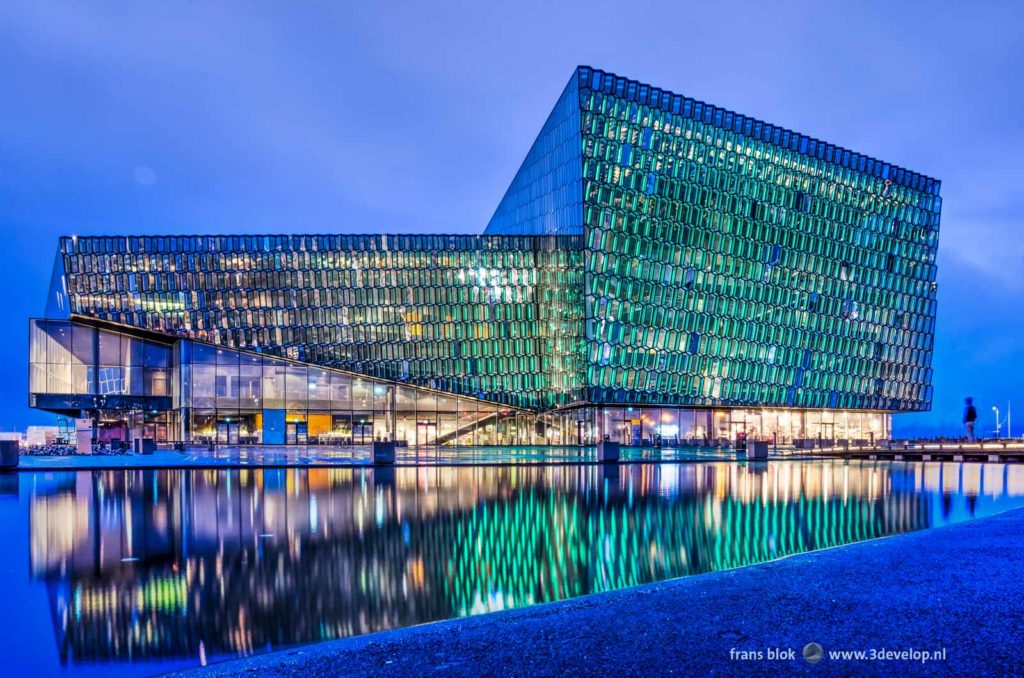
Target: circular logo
<point x="813" y="653"/>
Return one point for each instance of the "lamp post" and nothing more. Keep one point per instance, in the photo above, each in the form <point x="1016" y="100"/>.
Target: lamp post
<point x="996" y="410"/>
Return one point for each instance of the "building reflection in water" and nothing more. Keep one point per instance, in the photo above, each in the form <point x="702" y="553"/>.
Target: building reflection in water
<point x="150" y="564"/>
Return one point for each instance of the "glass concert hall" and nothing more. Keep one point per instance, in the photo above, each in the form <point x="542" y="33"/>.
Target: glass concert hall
<point x="659" y="271"/>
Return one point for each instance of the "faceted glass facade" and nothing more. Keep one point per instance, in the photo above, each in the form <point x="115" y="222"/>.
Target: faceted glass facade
<point x="546" y="194"/>
<point x="498" y="318"/>
<point x="732" y="262"/>
<point x="653" y="253"/>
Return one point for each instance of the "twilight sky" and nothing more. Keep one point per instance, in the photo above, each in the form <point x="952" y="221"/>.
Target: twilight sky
<point x="235" y="117"/>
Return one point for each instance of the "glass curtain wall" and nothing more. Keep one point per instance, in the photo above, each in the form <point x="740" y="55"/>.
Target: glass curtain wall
<point x="733" y="263"/>
<point x="125" y="374"/>
<point x="242" y="398"/>
<point x="73" y="359"/>
<point x="497" y="318"/>
<point x="231" y="397"/>
<point x="679" y="426"/>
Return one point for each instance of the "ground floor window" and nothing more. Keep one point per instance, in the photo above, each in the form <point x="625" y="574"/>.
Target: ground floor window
<point x="681" y="426"/>
<point x="470" y="423"/>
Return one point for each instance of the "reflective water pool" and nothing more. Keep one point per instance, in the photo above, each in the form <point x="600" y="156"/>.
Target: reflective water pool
<point x="144" y="571"/>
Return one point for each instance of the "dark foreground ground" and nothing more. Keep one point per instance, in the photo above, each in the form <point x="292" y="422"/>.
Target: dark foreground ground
<point x="960" y="588"/>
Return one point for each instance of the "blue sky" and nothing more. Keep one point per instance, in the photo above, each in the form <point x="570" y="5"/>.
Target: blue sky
<point x="327" y="116"/>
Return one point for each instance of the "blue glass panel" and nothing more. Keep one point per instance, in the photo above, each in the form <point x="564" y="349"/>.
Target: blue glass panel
<point x="273" y="427"/>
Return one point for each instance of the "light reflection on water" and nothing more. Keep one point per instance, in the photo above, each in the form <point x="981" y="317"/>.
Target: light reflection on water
<point x="146" y="566"/>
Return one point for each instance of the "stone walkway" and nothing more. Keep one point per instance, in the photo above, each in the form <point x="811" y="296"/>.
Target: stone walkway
<point x="306" y="456"/>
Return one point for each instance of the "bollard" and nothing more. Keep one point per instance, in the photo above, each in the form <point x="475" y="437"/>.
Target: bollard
<point x="145" y="446"/>
<point x="757" y="449"/>
<point x="9" y="454"/>
<point x="383" y="452"/>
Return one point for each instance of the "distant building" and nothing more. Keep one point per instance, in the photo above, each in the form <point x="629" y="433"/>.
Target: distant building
<point x="659" y="270"/>
<point x="41" y="435"/>
<point x="33" y="436"/>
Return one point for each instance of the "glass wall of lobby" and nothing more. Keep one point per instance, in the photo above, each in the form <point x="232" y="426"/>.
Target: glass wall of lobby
<point x="72" y="359"/>
<point x="122" y="383"/>
<point x="681" y="426"/>
<point x="233" y="397"/>
<point x="208" y="394"/>
<point x="230" y="397"/>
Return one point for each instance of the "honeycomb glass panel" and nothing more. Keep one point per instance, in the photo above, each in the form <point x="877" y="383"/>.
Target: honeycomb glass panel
<point x="787" y="258"/>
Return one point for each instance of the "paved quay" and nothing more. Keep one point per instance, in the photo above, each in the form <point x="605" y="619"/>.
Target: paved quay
<point x="360" y="456"/>
<point x="958" y="588"/>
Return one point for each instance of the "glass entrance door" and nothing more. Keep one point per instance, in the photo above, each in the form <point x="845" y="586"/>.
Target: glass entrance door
<point x="635" y="432"/>
<point x="157" y="432"/>
<point x="227" y="432"/>
<point x="426" y="432"/>
<point x="295" y="433"/>
<point x="362" y="431"/>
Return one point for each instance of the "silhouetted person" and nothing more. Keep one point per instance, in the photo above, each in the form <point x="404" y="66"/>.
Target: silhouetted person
<point x="970" y="416"/>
